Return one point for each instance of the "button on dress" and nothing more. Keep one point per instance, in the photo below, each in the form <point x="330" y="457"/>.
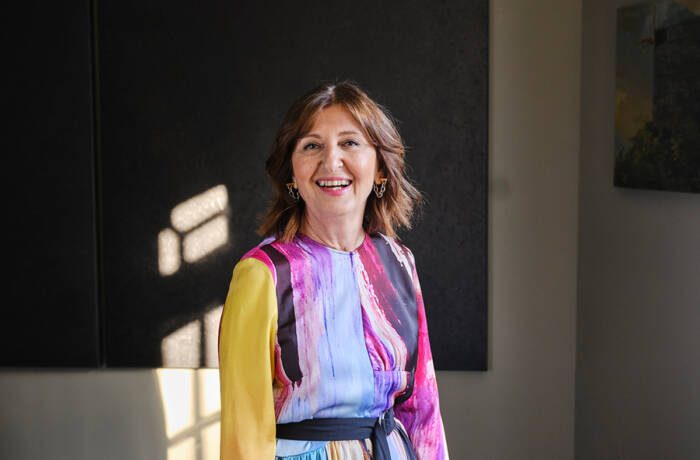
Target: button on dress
<point x="309" y="331"/>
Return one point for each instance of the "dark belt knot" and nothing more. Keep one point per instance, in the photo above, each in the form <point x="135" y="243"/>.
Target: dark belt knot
<point x="345" y="429"/>
<point x="385" y="424"/>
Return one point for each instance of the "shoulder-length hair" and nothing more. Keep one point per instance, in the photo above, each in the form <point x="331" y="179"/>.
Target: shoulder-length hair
<point x="385" y="215"/>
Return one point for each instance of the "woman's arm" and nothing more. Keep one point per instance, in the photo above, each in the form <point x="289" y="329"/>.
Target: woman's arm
<point x="420" y="413"/>
<point x="246" y="363"/>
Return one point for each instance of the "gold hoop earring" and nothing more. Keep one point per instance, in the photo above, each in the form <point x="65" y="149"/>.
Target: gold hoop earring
<point x="379" y="189"/>
<point x="293" y="190"/>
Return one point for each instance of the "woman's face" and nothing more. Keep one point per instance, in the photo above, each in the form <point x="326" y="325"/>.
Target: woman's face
<point x="335" y="166"/>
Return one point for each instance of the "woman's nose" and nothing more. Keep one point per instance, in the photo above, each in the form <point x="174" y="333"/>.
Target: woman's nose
<point x="333" y="157"/>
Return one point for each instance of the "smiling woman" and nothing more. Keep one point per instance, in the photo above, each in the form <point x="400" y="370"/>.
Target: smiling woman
<point x="335" y="167"/>
<point x="324" y="125"/>
<point x="323" y="342"/>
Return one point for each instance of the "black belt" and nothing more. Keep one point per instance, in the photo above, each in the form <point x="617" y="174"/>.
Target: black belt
<point x="346" y="429"/>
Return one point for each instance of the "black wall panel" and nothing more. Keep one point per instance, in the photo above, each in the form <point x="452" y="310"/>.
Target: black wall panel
<point x="50" y="315"/>
<point x="191" y="95"/>
<point x="189" y="98"/>
<point x="169" y="132"/>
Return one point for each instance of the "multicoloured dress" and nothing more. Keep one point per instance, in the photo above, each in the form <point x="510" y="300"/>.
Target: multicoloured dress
<point x="309" y="331"/>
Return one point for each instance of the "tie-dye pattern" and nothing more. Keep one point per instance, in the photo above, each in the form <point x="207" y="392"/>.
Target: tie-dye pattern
<point x="352" y="341"/>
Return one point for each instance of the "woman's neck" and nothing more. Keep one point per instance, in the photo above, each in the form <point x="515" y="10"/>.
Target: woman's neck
<point x="338" y="234"/>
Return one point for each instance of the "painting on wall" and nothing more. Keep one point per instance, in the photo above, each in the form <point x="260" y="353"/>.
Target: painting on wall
<point x="657" y="98"/>
<point x="156" y="179"/>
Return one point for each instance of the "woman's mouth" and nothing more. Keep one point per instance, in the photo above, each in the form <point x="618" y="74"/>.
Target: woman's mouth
<point x="333" y="184"/>
<point x="334" y="187"/>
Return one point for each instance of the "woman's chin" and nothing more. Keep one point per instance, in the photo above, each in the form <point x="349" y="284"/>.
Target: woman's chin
<point x="335" y="210"/>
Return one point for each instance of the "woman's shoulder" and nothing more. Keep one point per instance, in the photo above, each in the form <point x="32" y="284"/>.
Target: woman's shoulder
<point x="394" y="241"/>
<point x="258" y="258"/>
<point x="397" y="247"/>
<point x="258" y="251"/>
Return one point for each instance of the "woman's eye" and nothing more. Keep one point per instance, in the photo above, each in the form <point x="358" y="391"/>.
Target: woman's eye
<point x="351" y="143"/>
<point x="310" y="145"/>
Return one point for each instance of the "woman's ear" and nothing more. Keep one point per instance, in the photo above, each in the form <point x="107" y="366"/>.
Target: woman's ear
<point x="379" y="174"/>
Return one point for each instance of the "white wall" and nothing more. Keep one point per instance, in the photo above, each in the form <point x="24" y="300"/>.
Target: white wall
<point x="523" y="407"/>
<point x="638" y="366"/>
<point x="81" y="415"/>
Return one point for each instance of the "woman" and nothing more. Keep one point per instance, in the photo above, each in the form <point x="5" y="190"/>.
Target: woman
<point x="323" y="343"/>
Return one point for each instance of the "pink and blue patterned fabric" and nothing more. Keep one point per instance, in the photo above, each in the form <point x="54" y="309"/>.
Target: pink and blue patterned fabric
<point x="352" y="341"/>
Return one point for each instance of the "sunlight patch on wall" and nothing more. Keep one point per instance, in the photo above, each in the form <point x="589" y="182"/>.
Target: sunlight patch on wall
<point x="182" y="347"/>
<point x="199" y="226"/>
<point x="200" y="208"/>
<point x="183" y="450"/>
<point x="206" y="239"/>
<point x="168" y="252"/>
<point x="191" y="410"/>
<point x="177" y="388"/>
<point x="211" y="336"/>
<point x="195" y="344"/>
<point x="209" y="397"/>
<point x="210" y="441"/>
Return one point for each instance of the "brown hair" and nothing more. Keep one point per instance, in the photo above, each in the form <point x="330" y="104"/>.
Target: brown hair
<point x="395" y="209"/>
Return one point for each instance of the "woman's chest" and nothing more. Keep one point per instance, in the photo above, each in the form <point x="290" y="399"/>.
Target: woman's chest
<point x="346" y="315"/>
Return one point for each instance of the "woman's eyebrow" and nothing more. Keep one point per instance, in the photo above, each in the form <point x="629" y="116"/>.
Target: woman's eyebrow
<point x="342" y="133"/>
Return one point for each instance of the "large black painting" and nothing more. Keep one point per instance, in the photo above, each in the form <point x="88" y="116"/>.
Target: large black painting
<point x="188" y="98"/>
<point x="191" y="95"/>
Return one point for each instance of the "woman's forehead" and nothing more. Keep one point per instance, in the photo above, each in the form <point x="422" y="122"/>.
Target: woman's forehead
<point x="337" y="114"/>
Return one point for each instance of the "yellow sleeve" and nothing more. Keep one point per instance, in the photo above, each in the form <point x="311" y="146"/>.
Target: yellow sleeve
<point x="246" y="364"/>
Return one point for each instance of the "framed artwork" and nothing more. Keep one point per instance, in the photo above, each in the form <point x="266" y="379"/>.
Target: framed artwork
<point x="163" y="116"/>
<point x="657" y="97"/>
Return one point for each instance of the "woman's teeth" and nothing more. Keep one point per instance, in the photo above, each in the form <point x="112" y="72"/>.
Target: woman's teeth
<point x="333" y="183"/>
